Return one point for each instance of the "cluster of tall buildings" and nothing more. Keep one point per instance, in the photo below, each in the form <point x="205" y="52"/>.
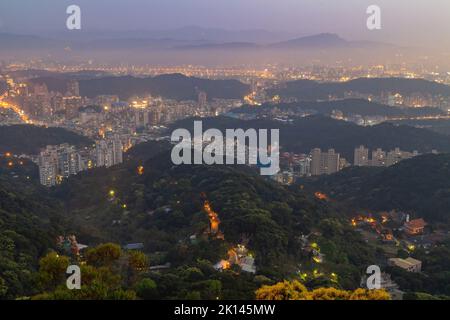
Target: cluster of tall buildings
<point x="395" y="99"/>
<point x="57" y="163"/>
<point x="316" y="163"/>
<point x="319" y="162"/>
<point x="381" y="158"/>
<point x="325" y="162"/>
<point x="109" y="152"/>
<point x="37" y="101"/>
<point x="147" y="117"/>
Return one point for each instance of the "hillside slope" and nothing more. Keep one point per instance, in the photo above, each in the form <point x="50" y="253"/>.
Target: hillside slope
<point x="29" y="139"/>
<point x="420" y="186"/>
<point x="304" y="134"/>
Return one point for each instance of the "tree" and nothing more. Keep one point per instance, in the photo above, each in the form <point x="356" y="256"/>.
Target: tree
<point x="327" y="294"/>
<point x="193" y="295"/>
<point x="294" y="290"/>
<point x="104" y="254"/>
<point x="3" y="288"/>
<point x="282" y="291"/>
<point x="146" y="289"/>
<point x="209" y="289"/>
<point x="364" y="294"/>
<point x="137" y="261"/>
<point x="52" y="270"/>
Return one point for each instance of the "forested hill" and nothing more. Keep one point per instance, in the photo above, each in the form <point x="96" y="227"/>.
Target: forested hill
<point x="29" y="224"/>
<point x="171" y="86"/>
<point x="312" y="90"/>
<point x="29" y="139"/>
<point x="420" y="185"/>
<point x="304" y="134"/>
<point x="347" y="106"/>
<point x="164" y="208"/>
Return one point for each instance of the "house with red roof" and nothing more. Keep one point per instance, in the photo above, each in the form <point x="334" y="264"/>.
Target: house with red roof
<point x="415" y="227"/>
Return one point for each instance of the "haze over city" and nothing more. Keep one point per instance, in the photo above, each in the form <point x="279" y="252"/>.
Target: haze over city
<point x="405" y="22"/>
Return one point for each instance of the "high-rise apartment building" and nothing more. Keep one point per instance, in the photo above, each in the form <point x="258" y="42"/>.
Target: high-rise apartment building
<point x="381" y="158"/>
<point x="48" y="166"/>
<point x="58" y="162"/>
<point x="202" y="99"/>
<point x="395" y="156"/>
<point x="73" y="89"/>
<point x="72" y="106"/>
<point x="109" y="152"/>
<point x="378" y="158"/>
<point x="324" y="162"/>
<point x="361" y="157"/>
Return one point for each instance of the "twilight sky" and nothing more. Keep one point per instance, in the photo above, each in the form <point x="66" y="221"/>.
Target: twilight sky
<point x="412" y="22"/>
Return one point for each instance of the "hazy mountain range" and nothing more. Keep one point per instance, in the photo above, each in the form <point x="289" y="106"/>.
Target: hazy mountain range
<point x="206" y="47"/>
<point x="183" y="38"/>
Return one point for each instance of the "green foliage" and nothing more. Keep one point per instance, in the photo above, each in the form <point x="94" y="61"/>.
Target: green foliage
<point x="164" y="211"/>
<point x="294" y="290"/>
<point x="104" y="276"/>
<point x="28" y="225"/>
<point x="436" y="266"/>
<point x="52" y="270"/>
<point x="399" y="187"/>
<point x="147" y="289"/>
<point x="104" y="255"/>
<point x="423" y="296"/>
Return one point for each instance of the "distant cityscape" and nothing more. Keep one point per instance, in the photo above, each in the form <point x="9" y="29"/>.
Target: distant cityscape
<point x="117" y="125"/>
<point x="334" y="209"/>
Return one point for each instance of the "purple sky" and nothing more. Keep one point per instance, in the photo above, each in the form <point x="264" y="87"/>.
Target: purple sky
<point x="412" y="22"/>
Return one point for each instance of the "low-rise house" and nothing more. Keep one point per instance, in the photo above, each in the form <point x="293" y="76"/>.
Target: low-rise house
<point x="408" y="264"/>
<point x="415" y="227"/>
<point x="134" y="246"/>
<point x="247" y="264"/>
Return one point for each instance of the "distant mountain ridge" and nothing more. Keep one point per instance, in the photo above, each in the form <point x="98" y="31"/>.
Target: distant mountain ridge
<point x="171" y="86"/>
<point x="183" y="38"/>
<point x="17" y="41"/>
<point x="319" y="40"/>
<point x="188" y="33"/>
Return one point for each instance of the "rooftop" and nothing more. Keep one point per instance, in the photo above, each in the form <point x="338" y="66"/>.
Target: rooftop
<point x="416" y="223"/>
